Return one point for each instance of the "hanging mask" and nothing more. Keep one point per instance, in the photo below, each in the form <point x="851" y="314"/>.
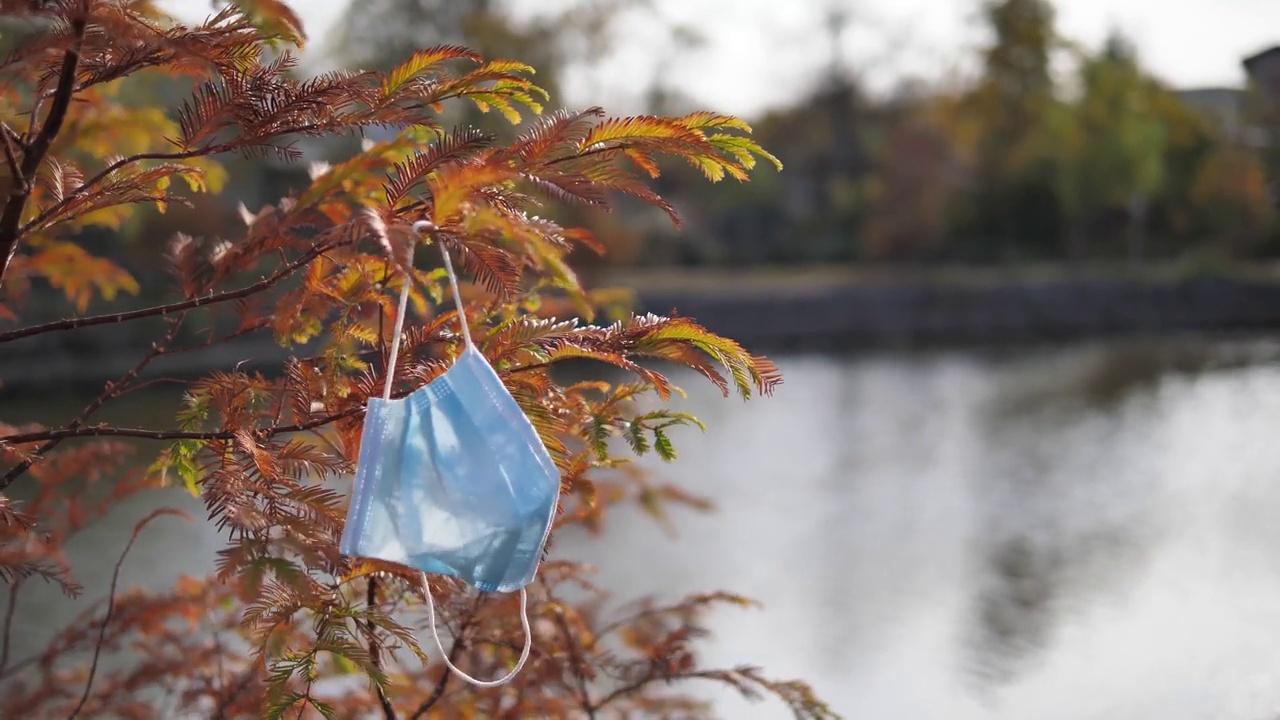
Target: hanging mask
<point x="453" y="480"/>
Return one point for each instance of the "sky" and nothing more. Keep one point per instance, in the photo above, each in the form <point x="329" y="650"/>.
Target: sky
<point x="760" y="54"/>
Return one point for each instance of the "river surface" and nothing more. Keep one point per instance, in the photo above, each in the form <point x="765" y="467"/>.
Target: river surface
<point x="1089" y="531"/>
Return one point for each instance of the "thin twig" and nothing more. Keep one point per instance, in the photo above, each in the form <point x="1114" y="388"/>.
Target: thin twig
<point x="145" y="434"/>
<point x="11" y="158"/>
<point x="371" y="598"/>
<point x="641" y="683"/>
<point x="242" y="682"/>
<point x="375" y="652"/>
<point x="11" y="217"/>
<point x="189" y="304"/>
<point x="139" y="387"/>
<point x="110" y="392"/>
<point x="441" y="684"/>
<point x="454" y="650"/>
<point x="202" y="151"/>
<point x="51" y="211"/>
<point x="111" y="603"/>
<point x="571" y="645"/>
<point x="8" y="624"/>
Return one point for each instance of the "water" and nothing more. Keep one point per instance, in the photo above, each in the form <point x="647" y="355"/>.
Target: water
<point x="1085" y="532"/>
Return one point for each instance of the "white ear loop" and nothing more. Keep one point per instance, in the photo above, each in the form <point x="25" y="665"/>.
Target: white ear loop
<point x="401" y="310"/>
<point x="524" y="654"/>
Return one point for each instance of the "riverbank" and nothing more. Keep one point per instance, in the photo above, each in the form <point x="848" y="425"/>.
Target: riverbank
<point x="833" y="310"/>
<point x="819" y="310"/>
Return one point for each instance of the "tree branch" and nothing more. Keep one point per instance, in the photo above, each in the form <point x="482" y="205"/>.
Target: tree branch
<point x="11" y="217"/>
<point x="110" y="392"/>
<point x="454" y="650"/>
<point x="11" y="158"/>
<point x="145" y="434"/>
<point x="375" y="652"/>
<point x="242" y="683"/>
<point x="158" y="310"/>
<point x="441" y="684"/>
<point x="111" y="603"/>
<point x="38" y="221"/>
<point x="202" y="151"/>
<point x="8" y="625"/>
<point x="584" y="693"/>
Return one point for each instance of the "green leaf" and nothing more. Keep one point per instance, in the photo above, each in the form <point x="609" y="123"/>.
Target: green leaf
<point x="598" y="437"/>
<point x="662" y="445"/>
<point x="279" y="706"/>
<point x="181" y="459"/>
<point x="185" y="453"/>
<point x="325" y="708"/>
<point x="634" y="435"/>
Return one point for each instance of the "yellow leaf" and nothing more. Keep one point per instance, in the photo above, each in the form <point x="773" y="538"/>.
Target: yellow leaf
<point x="275" y="18"/>
<point x="454" y="185"/>
<point x="69" y="268"/>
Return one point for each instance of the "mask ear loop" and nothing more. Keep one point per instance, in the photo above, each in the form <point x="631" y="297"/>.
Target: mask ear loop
<point x="401" y="310"/>
<point x="524" y="654"/>
<point x="395" y="337"/>
<point x="428" y="226"/>
<point x="421" y="226"/>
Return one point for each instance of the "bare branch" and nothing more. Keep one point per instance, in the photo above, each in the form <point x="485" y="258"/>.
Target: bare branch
<point x="6" y="638"/>
<point x="575" y="656"/>
<point x="454" y="650"/>
<point x="375" y="652"/>
<point x="189" y="304"/>
<point x="11" y="217"/>
<point x="110" y="392"/>
<point x="144" y="434"/>
<point x="11" y="158"/>
<point x="111" y="602"/>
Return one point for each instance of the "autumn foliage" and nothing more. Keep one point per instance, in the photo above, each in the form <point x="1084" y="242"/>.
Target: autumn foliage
<point x="287" y="624"/>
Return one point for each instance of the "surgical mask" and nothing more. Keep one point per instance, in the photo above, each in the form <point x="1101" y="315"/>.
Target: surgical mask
<point x="453" y="480"/>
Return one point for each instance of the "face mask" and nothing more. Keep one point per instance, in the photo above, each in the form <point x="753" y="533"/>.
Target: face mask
<point x="454" y="480"/>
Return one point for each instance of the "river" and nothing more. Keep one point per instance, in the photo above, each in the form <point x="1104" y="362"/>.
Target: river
<point x="1075" y="532"/>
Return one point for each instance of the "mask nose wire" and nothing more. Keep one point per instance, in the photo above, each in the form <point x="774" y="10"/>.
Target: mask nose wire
<point x="524" y="654"/>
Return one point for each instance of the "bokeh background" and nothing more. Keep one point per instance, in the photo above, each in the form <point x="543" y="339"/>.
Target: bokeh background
<point x="1020" y="275"/>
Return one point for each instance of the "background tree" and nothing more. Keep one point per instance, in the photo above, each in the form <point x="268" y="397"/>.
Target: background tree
<point x="1232" y="199"/>
<point x="285" y="616"/>
<point x="1114" y="151"/>
<point x="1011" y="211"/>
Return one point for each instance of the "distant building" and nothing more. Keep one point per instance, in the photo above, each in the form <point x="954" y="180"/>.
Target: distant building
<point x="1243" y="114"/>
<point x="1223" y="106"/>
<point x="1263" y="70"/>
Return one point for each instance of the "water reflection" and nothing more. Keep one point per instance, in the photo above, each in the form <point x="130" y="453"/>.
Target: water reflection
<point x="1086" y="532"/>
<point x="1073" y="533"/>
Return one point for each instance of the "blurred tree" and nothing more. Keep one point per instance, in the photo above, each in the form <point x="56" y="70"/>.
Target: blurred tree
<point x="918" y="176"/>
<point x="1017" y="84"/>
<point x="1012" y="210"/>
<point x="1231" y="198"/>
<point x="378" y="34"/>
<point x="1112" y="144"/>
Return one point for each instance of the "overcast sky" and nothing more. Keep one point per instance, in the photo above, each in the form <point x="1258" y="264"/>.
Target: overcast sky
<point x="761" y="53"/>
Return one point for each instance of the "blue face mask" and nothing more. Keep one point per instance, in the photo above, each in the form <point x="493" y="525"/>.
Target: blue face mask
<point x="454" y="480"/>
